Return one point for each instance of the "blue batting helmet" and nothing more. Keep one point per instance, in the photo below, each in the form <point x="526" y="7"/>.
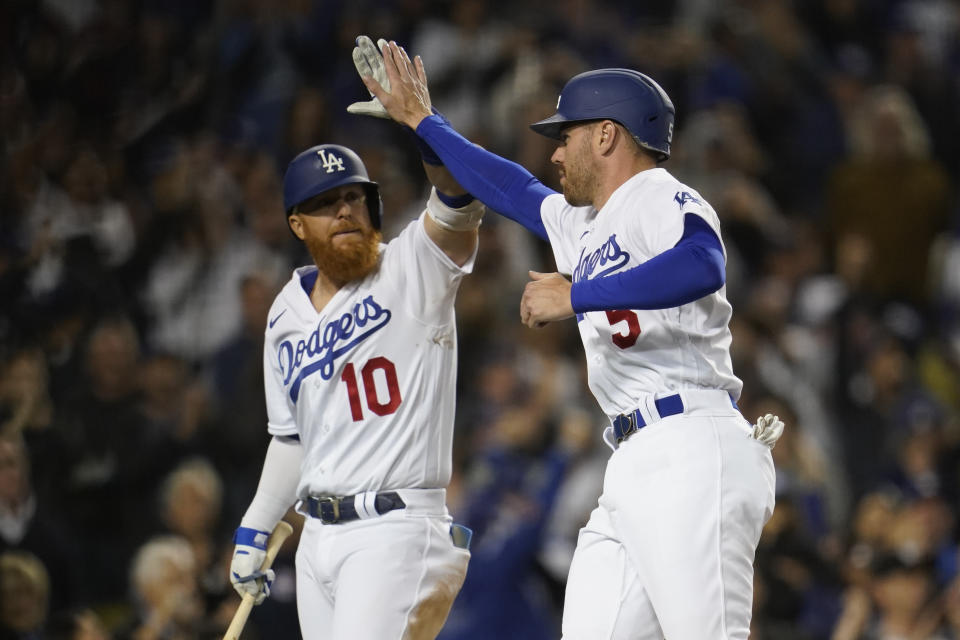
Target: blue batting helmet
<point x="325" y="167"/>
<point x="622" y="95"/>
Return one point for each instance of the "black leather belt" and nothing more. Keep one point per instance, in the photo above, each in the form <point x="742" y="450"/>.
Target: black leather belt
<point x="333" y="510"/>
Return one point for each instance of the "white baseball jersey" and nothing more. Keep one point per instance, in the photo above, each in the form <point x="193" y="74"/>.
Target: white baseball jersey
<point x="631" y="353"/>
<point x="684" y="498"/>
<point x="368" y="383"/>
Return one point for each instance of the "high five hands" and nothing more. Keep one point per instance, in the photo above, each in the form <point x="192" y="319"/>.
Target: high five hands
<point x="546" y="298"/>
<point x="397" y="83"/>
<point x="398" y="86"/>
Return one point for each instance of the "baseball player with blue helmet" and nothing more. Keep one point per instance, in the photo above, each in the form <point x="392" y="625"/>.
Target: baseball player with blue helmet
<point x="669" y="550"/>
<point x="360" y="362"/>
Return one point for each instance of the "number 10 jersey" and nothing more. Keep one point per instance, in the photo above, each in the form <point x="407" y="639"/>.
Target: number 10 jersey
<point x="368" y="383"/>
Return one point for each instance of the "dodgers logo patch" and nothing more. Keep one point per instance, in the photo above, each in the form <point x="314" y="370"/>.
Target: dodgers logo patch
<point x="683" y="197"/>
<point x="337" y="337"/>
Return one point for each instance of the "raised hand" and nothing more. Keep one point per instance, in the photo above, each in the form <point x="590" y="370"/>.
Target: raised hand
<point x="405" y="97"/>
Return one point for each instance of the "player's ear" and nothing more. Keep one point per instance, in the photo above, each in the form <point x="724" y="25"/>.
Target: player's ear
<point x="606" y="134"/>
<point x="295" y="222"/>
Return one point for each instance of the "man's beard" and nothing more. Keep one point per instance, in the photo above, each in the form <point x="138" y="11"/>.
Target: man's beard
<point x="346" y="261"/>
<point x="581" y="180"/>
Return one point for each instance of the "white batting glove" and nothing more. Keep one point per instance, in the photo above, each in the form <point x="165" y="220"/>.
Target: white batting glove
<point x="368" y="60"/>
<point x="248" y="555"/>
<point x="768" y="429"/>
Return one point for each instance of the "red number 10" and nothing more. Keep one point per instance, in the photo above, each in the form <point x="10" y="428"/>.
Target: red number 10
<point x="349" y="377"/>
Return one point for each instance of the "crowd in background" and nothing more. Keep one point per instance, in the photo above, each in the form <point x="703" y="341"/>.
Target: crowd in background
<point x="142" y="239"/>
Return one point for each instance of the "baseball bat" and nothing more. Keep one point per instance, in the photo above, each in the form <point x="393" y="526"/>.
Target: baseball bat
<point x="280" y="533"/>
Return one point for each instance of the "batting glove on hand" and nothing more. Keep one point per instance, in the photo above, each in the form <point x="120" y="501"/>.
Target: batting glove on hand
<point x="248" y="556"/>
<point x="368" y="60"/>
<point x="768" y="429"/>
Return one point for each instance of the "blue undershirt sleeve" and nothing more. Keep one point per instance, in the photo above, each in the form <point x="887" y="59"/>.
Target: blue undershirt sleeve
<point x="689" y="270"/>
<point x="502" y="185"/>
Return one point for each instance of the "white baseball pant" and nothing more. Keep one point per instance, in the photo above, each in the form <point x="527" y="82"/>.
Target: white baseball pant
<point x="669" y="551"/>
<point x="389" y="577"/>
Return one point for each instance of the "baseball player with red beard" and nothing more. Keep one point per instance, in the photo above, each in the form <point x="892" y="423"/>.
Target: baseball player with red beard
<point x="360" y="362"/>
<point x="669" y="550"/>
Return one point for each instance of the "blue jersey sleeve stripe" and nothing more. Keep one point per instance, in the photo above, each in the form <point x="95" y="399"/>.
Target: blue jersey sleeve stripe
<point x="688" y="271"/>
<point x="502" y="185"/>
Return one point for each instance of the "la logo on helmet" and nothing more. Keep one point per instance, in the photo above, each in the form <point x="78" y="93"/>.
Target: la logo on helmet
<point x="330" y="161"/>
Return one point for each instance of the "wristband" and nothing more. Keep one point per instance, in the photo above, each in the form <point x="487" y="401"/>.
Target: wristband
<point x="459" y="219"/>
<point x="455" y="202"/>
<point x="251" y="538"/>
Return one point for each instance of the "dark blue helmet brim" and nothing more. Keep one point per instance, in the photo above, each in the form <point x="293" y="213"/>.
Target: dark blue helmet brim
<point x="552" y="126"/>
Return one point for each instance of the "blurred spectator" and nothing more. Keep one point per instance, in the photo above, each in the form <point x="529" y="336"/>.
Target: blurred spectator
<point x="263" y="212"/>
<point x="235" y="377"/>
<point x="164" y="587"/>
<point x="110" y="465"/>
<point x="190" y="506"/>
<point x="78" y="233"/>
<point x="874" y="515"/>
<point x="882" y="404"/>
<point x="803" y="477"/>
<point x="925" y="529"/>
<point x="191" y="288"/>
<point x="917" y="469"/>
<point x="24" y="596"/>
<point x="24" y="395"/>
<point x="898" y="602"/>
<point x="796" y="590"/>
<point x="27" y="410"/>
<point x="27" y="524"/>
<point x="579" y="436"/>
<point x="75" y="624"/>
<point x="891" y="172"/>
<point x="509" y="492"/>
<point x="172" y="405"/>
<point x="466" y="44"/>
<point x="307" y="124"/>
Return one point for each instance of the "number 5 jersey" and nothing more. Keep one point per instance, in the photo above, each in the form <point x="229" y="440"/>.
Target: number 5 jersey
<point x="635" y="352"/>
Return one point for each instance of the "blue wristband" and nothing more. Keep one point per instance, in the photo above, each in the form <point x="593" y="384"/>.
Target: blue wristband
<point x="251" y="537"/>
<point x="455" y="202"/>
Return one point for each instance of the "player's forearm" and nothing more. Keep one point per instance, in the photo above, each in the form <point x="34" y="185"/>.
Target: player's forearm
<point x="689" y="271"/>
<point x="438" y="174"/>
<point x="441" y="178"/>
<point x="278" y="484"/>
<point x="502" y="185"/>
